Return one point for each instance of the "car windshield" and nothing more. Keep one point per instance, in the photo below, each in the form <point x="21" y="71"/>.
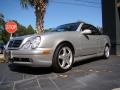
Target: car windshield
<point x="66" y="27"/>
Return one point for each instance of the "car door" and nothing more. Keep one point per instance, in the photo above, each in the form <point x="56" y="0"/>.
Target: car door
<point x="89" y="43"/>
<point x="96" y="35"/>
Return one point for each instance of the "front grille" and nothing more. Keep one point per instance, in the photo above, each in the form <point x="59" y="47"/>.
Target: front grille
<point x="21" y="59"/>
<point x="15" y="43"/>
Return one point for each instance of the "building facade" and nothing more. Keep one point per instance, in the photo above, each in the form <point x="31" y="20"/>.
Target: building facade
<point x="111" y="23"/>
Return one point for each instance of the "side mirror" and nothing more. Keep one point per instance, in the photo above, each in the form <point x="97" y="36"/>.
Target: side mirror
<point x="86" y="32"/>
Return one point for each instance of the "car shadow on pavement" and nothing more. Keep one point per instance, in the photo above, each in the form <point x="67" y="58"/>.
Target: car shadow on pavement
<point x="30" y="70"/>
<point x="47" y="70"/>
<point x="86" y="61"/>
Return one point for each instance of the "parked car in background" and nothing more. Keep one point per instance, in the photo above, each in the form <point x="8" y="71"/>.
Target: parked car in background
<point x="59" y="48"/>
<point x="1" y="48"/>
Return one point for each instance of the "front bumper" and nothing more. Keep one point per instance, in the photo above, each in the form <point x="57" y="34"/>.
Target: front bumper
<point x="41" y="57"/>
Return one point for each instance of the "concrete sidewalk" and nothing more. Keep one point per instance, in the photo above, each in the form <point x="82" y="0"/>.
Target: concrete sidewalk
<point x="2" y="60"/>
<point x="93" y="74"/>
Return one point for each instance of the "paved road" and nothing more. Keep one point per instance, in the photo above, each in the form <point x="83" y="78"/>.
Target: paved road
<point x="94" y="74"/>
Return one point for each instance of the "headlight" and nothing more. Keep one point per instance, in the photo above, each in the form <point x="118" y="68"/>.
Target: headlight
<point x="35" y="42"/>
<point x="27" y="45"/>
<point x="32" y="43"/>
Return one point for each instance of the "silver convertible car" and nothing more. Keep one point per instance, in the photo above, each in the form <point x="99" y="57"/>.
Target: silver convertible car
<point x="59" y="48"/>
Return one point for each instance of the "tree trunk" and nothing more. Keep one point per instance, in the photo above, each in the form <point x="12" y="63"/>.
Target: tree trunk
<point x="39" y="21"/>
<point x="40" y="12"/>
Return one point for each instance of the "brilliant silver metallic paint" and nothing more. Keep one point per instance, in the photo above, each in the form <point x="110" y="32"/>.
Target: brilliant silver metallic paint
<point x="85" y="46"/>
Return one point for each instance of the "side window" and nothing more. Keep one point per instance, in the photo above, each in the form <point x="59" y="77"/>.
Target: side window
<point x="94" y="30"/>
<point x="85" y="26"/>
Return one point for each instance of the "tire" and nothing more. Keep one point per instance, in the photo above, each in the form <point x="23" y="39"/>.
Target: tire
<point x="63" y="58"/>
<point x="106" y="52"/>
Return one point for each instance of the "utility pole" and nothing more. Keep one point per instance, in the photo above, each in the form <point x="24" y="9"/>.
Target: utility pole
<point x="1" y="25"/>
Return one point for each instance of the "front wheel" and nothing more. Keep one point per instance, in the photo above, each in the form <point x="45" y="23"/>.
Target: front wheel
<point x="63" y="58"/>
<point x="106" y="52"/>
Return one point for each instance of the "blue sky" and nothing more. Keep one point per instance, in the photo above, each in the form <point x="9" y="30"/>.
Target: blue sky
<point x="56" y="14"/>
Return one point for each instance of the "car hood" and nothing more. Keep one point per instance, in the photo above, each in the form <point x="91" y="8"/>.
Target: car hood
<point x="34" y="35"/>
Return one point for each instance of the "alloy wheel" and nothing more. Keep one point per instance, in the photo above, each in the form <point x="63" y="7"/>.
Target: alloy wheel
<point x="65" y="58"/>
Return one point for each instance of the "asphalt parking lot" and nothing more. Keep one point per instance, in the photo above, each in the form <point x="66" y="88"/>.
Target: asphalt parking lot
<point x="93" y="74"/>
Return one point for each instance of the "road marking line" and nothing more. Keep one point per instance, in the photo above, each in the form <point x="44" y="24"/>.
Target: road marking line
<point x="13" y="85"/>
<point x="38" y="83"/>
<point x="54" y="83"/>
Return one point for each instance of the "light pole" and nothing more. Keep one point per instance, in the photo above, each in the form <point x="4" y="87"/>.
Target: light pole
<point x="1" y="25"/>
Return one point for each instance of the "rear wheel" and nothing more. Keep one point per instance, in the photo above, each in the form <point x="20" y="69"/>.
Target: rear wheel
<point x="63" y="58"/>
<point x="106" y="52"/>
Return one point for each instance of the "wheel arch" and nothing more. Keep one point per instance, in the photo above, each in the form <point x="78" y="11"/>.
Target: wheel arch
<point x="67" y="42"/>
<point x="107" y="44"/>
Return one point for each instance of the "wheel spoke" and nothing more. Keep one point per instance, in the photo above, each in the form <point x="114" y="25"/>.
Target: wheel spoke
<point x="64" y="51"/>
<point x="63" y="63"/>
<point x="69" y="54"/>
<point x="68" y="62"/>
<point x="61" y="57"/>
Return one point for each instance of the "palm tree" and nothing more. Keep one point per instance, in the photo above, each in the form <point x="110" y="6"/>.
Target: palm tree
<point x="40" y="9"/>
